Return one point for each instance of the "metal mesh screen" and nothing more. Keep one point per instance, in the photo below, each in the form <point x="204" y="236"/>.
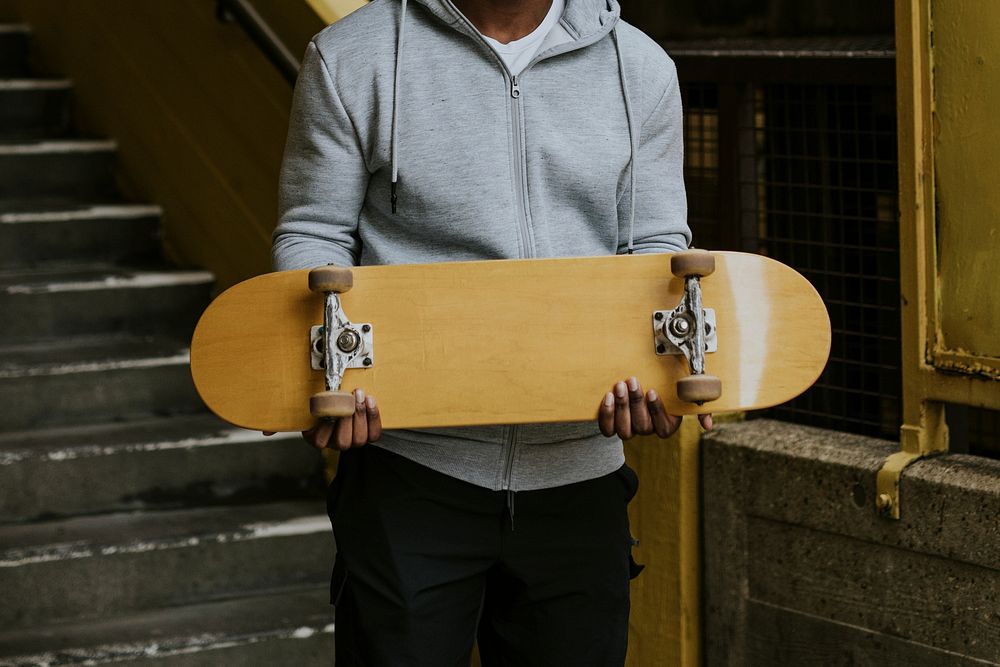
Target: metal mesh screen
<point x="701" y="162"/>
<point x="973" y="430"/>
<point x="984" y="432"/>
<point x="827" y="206"/>
<point x="817" y="190"/>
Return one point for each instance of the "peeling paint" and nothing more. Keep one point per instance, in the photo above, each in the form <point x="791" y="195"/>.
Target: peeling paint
<point x="41" y="147"/>
<point x="966" y="97"/>
<point x="301" y="526"/>
<point x="230" y="437"/>
<point x="162" y="648"/>
<point x="47" y="553"/>
<point x="84" y="214"/>
<point x="128" y="281"/>
<point x="181" y="357"/>
<point x="35" y="84"/>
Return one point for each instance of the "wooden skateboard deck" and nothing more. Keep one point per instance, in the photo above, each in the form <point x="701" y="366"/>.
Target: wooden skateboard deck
<point x="508" y="341"/>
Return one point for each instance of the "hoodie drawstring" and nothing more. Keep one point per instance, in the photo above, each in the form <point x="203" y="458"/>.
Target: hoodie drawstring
<point x="394" y="142"/>
<point x="633" y="138"/>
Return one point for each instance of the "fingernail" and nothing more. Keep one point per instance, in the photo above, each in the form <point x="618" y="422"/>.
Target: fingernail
<point x="359" y="396"/>
<point x="371" y="402"/>
<point x="609" y="399"/>
<point x="620" y="389"/>
<point x="652" y="395"/>
<point x="633" y="384"/>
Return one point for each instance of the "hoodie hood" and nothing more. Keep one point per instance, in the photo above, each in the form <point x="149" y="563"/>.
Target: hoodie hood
<point x="583" y="19"/>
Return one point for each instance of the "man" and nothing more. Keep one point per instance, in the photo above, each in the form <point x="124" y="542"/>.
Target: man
<point x="444" y="130"/>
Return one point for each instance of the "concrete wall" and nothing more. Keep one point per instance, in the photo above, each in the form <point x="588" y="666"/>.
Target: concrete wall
<point x="798" y="569"/>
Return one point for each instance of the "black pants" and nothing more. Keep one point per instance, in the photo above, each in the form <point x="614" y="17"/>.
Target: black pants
<point x="426" y="562"/>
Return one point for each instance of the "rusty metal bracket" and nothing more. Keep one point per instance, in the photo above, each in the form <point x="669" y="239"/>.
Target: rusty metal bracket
<point x="918" y="442"/>
<point x="887" y="483"/>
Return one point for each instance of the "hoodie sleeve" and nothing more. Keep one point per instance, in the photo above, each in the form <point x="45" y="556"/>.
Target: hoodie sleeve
<point x="323" y="176"/>
<point x="660" y="200"/>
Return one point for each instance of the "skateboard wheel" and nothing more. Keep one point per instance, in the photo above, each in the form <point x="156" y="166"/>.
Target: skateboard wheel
<point x="692" y="263"/>
<point x="699" y="388"/>
<point x="332" y="404"/>
<point x="330" y="279"/>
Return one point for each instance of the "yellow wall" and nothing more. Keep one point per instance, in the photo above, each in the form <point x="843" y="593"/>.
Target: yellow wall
<point x="664" y="625"/>
<point x="967" y="170"/>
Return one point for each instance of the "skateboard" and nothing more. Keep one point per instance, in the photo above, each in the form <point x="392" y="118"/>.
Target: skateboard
<point x="509" y="341"/>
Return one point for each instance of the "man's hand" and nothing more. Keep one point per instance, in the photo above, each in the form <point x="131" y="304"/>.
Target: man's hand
<point x="364" y="426"/>
<point x="627" y="412"/>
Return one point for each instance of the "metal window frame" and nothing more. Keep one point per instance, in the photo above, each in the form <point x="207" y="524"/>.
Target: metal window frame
<point x="927" y="384"/>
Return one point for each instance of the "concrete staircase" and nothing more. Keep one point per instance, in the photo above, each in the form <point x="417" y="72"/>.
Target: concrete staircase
<point x="135" y="528"/>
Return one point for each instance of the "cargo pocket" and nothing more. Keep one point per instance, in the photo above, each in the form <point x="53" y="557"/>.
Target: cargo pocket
<point x="630" y="482"/>
<point x="337" y="581"/>
<point x="634" y="569"/>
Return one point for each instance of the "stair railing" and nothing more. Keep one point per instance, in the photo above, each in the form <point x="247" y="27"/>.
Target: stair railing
<point x="243" y="13"/>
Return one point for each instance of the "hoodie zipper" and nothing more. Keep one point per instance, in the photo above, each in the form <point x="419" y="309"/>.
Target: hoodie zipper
<point x="520" y="175"/>
<point x="521" y="167"/>
<point x="521" y="184"/>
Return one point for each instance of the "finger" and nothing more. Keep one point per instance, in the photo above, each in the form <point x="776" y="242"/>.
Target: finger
<point x="706" y="421"/>
<point x="319" y="435"/>
<point x="343" y="433"/>
<point x="360" y="434"/>
<point x="623" y="416"/>
<point x="641" y="422"/>
<point x="606" y="415"/>
<point x="374" y="419"/>
<point x="658" y="415"/>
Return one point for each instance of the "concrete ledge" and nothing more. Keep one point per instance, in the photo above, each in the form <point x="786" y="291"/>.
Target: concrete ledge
<point x="790" y="529"/>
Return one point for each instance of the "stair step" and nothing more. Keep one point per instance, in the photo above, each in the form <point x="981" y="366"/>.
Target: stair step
<point x="153" y="463"/>
<point x="14" y="49"/>
<point x="291" y="627"/>
<point x="77" y="168"/>
<point x="34" y="108"/>
<point x="101" y="233"/>
<point x="44" y="303"/>
<point x="94" y="380"/>
<point x="93" y="567"/>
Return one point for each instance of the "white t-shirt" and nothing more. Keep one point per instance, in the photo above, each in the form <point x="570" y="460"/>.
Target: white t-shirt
<point x="519" y="53"/>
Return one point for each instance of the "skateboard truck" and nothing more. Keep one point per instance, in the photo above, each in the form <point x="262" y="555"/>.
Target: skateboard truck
<point x="689" y="329"/>
<point x="337" y="345"/>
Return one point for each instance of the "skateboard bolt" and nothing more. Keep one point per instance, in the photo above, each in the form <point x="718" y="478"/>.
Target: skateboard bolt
<point x="661" y="348"/>
<point x="367" y="361"/>
<point x="366" y="328"/>
<point x="657" y="316"/>
<point x="680" y="326"/>
<point x="348" y="341"/>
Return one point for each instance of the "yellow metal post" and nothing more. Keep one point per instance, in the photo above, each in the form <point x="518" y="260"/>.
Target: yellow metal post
<point x="924" y="431"/>
<point x="665" y="620"/>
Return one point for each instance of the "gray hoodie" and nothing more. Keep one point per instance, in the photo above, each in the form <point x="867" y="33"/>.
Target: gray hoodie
<point x="410" y="142"/>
